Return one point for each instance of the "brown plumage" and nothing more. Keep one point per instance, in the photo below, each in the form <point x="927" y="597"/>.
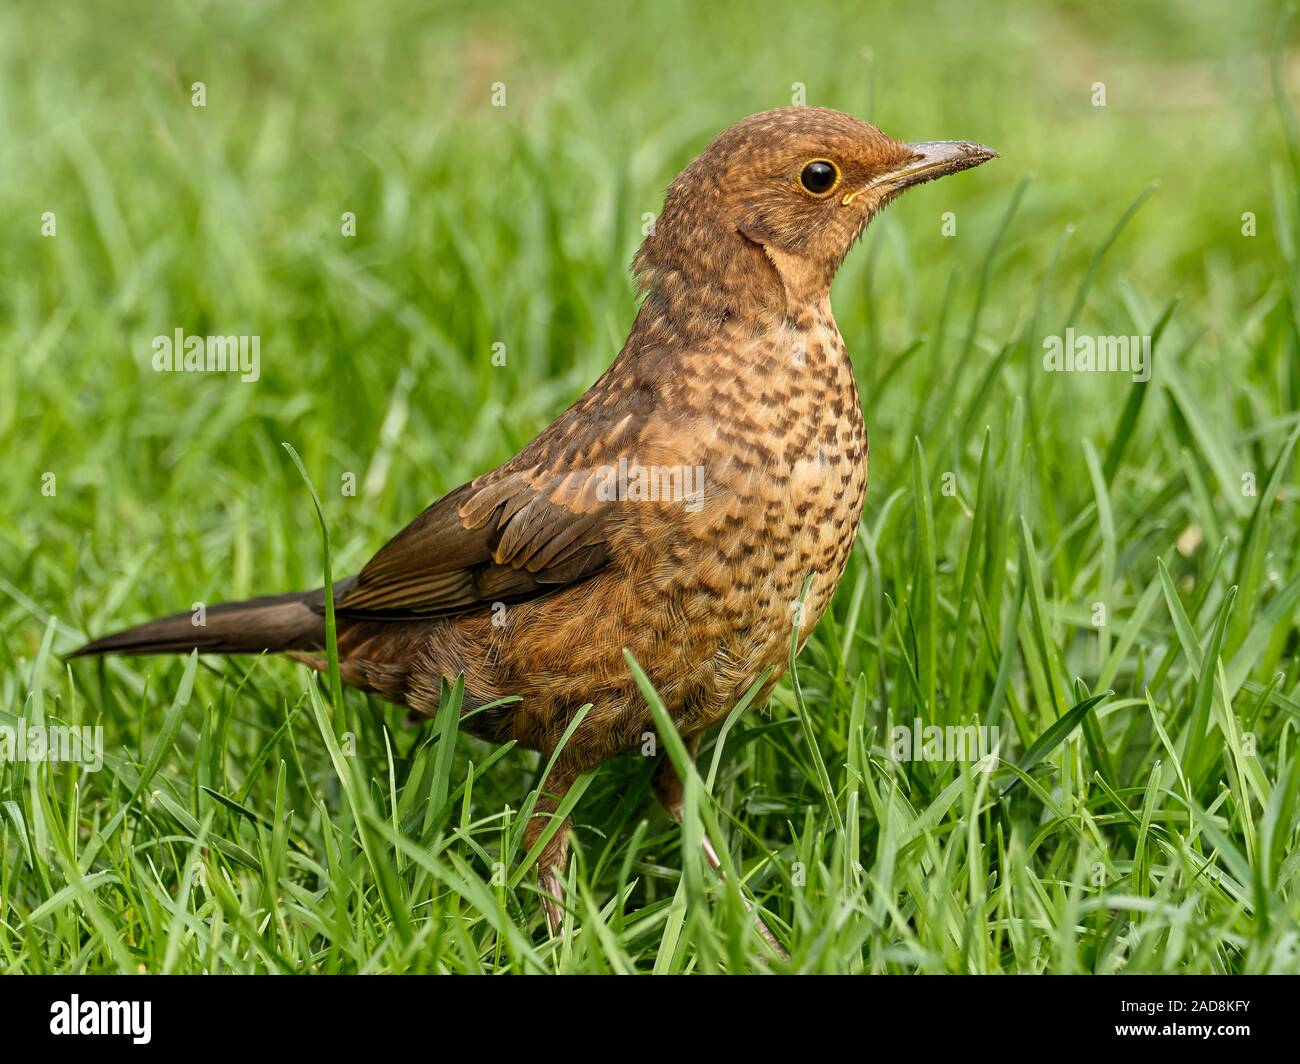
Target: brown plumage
<point x="733" y="388"/>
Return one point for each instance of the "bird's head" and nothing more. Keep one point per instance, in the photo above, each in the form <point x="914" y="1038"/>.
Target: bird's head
<point x="786" y="192"/>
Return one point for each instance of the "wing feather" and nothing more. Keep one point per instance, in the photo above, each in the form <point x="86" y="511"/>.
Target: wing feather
<point x="506" y="540"/>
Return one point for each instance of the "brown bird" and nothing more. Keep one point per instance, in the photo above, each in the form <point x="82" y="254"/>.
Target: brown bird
<point x="674" y="510"/>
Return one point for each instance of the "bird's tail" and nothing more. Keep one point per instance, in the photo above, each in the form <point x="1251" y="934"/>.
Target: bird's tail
<point x="270" y="623"/>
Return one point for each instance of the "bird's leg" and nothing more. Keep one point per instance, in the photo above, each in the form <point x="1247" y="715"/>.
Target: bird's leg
<point x="668" y="788"/>
<point x="555" y="855"/>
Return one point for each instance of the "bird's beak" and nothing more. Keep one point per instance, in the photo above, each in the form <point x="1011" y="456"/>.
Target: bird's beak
<point x="939" y="158"/>
<point x="932" y="158"/>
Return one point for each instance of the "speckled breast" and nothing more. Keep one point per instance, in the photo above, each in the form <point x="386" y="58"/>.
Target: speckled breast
<point x="787" y="469"/>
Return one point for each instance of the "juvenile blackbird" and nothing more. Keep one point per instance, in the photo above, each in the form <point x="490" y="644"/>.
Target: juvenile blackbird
<point x="674" y="510"/>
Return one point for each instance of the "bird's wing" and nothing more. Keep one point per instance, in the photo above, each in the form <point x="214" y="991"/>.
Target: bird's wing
<point x="510" y="535"/>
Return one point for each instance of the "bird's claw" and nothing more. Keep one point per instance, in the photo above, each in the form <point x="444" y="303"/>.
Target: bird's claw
<point x="711" y="856"/>
<point x="551" y="892"/>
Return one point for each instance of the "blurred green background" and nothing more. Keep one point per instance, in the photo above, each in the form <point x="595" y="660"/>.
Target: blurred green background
<point x="478" y="225"/>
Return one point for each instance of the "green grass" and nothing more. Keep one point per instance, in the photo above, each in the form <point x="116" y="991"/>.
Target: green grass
<point x="245" y="822"/>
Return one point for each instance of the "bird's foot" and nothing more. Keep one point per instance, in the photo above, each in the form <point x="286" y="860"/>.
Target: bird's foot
<point x="711" y="855"/>
<point x="551" y="891"/>
<point x="767" y="935"/>
<point x="667" y="788"/>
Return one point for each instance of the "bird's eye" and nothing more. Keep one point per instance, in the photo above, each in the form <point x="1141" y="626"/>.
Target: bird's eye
<point x="820" y="177"/>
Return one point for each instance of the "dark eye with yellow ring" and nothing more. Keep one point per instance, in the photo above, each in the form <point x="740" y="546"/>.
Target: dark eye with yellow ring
<point x="819" y="177"/>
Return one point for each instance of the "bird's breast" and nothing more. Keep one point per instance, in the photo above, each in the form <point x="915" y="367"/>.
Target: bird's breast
<point x="748" y="480"/>
<point x="784" y="454"/>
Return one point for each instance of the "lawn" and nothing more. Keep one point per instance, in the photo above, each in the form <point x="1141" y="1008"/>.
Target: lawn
<point x="425" y="213"/>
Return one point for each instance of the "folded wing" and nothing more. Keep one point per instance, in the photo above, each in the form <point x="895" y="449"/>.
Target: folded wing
<point x="505" y="537"/>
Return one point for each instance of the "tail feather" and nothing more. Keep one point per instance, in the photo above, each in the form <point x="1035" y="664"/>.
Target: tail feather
<point x="271" y="623"/>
